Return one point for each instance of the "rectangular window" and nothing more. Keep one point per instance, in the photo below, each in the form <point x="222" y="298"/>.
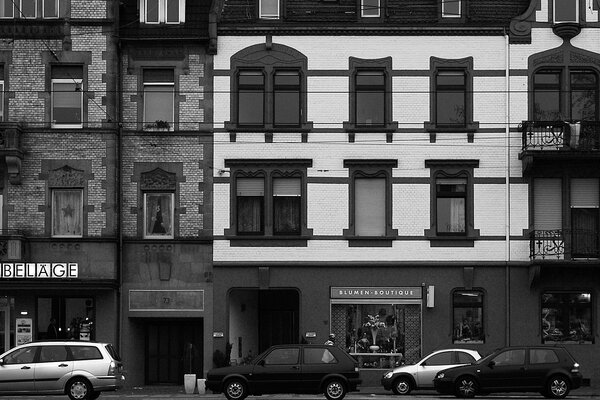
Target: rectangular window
<point x="67" y="96"/>
<point x="162" y="11"/>
<point x="370" y="98"/>
<point x="50" y="8"/>
<point x="7" y="9"/>
<point x="567" y="317"/>
<point x="451" y="8"/>
<point x="28" y="8"/>
<point x="451" y="206"/>
<point x="584" y="96"/>
<point x="65" y="318"/>
<point x="546" y="96"/>
<point x="286" y="101"/>
<point x="566" y="11"/>
<point x="451" y="98"/>
<point x="370" y="206"/>
<point x="251" y="98"/>
<point x="2" y="96"/>
<point x="468" y="316"/>
<point x="584" y="218"/>
<point x="370" y="8"/>
<point x="287" y="202"/>
<point x="269" y="9"/>
<point x="159" y="99"/>
<point x="67" y="212"/>
<point x="158" y="215"/>
<point x="250" y="206"/>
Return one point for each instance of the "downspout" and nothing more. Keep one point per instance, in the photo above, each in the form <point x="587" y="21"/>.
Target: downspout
<point x="507" y="185"/>
<point x="118" y="178"/>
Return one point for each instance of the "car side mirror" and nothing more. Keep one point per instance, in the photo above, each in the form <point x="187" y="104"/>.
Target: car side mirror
<point x="261" y="363"/>
<point x="491" y="364"/>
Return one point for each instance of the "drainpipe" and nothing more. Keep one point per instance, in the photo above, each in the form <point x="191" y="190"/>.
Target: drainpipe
<point x="507" y="186"/>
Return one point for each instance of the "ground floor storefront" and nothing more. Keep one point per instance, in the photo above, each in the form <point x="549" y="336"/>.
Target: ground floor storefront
<point x="386" y="315"/>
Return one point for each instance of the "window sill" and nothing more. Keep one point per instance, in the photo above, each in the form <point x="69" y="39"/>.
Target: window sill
<point x="268" y="241"/>
<point x="370" y="241"/>
<point x="351" y="127"/>
<point x="470" y="129"/>
<point x="269" y="128"/>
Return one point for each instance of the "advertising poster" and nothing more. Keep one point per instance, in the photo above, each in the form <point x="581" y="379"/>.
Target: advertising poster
<point x="24" y="331"/>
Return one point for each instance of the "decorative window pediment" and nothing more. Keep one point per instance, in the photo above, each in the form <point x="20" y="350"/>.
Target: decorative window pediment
<point x="66" y="177"/>
<point x="158" y="179"/>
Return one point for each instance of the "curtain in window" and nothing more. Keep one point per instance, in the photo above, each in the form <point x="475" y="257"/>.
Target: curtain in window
<point x="250" y="203"/>
<point x="67" y="212"/>
<point x="286" y="205"/>
<point x="451" y="205"/>
<point x="369" y="207"/>
<point x="159" y="211"/>
<point x="370" y="98"/>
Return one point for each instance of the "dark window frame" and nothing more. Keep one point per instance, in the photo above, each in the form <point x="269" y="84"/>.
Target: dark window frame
<point x="462" y="18"/>
<point x="481" y="305"/>
<point x="575" y="334"/>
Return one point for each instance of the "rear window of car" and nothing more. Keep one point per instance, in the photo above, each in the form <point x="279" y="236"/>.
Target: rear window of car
<point x="465" y="358"/>
<point x="85" y="353"/>
<point x="283" y="357"/>
<point x="319" y="356"/>
<point x="53" y="353"/>
<point x="542" y="356"/>
<point x="444" y="358"/>
<point x="113" y="353"/>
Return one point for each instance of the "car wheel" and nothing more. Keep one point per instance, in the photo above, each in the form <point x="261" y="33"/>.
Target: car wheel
<point x="335" y="390"/>
<point x="235" y="389"/>
<point x="466" y="387"/>
<point x="79" y="389"/>
<point x="402" y="386"/>
<point x="557" y="387"/>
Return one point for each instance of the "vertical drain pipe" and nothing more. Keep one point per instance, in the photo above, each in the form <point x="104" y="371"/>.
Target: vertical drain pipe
<point x="507" y="185"/>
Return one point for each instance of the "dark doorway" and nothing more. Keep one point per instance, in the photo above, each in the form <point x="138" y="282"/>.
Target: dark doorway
<point x="277" y="317"/>
<point x="173" y="348"/>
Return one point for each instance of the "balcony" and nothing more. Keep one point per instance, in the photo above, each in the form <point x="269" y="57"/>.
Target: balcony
<point x="11" y="149"/>
<point x="564" y="244"/>
<point x="556" y="144"/>
<point x="12" y="245"/>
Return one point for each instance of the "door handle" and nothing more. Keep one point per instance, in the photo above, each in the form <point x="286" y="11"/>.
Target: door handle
<point x="295" y="367"/>
<point x="25" y="367"/>
<point x="63" y="365"/>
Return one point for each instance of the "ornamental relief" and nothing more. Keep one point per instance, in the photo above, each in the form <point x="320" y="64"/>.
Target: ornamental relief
<point x="66" y="177"/>
<point x="554" y="58"/>
<point x="158" y="179"/>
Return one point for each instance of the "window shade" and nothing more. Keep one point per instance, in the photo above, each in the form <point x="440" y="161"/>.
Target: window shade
<point x="369" y="207"/>
<point x="286" y="187"/>
<point x="547" y="204"/>
<point x="67" y="72"/>
<point x="584" y="193"/>
<point x="250" y="187"/>
<point x="159" y="75"/>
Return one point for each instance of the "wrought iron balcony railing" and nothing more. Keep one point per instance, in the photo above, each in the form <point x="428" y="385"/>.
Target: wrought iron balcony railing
<point x="561" y="135"/>
<point x="564" y="244"/>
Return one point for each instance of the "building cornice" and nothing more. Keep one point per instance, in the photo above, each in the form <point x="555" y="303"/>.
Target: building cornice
<point x="362" y="31"/>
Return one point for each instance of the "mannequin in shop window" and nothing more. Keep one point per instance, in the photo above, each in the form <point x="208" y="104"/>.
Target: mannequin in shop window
<point x="363" y="344"/>
<point x="52" y="331"/>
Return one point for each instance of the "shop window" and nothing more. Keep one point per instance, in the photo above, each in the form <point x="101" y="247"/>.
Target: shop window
<point x="65" y="318"/>
<point x="67" y="96"/>
<point x="370" y="8"/>
<point x="269" y="197"/>
<point x="162" y="11"/>
<point x="566" y="10"/>
<point x="7" y="9"/>
<point x="159" y="99"/>
<point x="566" y="317"/>
<point x="269" y="9"/>
<point x="67" y="212"/>
<point x="451" y="8"/>
<point x="158" y="215"/>
<point x="467" y="306"/>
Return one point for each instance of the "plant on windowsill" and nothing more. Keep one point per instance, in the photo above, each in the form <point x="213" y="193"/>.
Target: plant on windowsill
<point x="158" y="125"/>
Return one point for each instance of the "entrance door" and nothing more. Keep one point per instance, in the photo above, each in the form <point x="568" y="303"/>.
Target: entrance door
<point x="173" y="348"/>
<point x="5" y="318"/>
<point x="278" y="317"/>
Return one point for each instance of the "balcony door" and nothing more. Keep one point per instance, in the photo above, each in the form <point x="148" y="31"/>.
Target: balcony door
<point x="584" y="218"/>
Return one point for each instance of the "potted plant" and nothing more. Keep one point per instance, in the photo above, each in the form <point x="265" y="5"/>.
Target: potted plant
<point x="189" y="378"/>
<point x="158" y="125"/>
<point x="374" y="325"/>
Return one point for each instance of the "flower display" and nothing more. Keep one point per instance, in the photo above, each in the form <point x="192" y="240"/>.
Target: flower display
<point x="374" y="324"/>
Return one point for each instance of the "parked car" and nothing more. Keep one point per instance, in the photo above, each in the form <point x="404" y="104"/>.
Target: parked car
<point x="552" y="371"/>
<point x="406" y="378"/>
<point x="289" y="369"/>
<point x="79" y="369"/>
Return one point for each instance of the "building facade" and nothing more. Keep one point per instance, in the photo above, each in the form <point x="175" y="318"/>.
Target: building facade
<point x="387" y="171"/>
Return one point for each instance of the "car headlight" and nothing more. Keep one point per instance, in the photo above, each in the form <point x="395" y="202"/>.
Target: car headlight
<point x="389" y="374"/>
<point x="440" y="375"/>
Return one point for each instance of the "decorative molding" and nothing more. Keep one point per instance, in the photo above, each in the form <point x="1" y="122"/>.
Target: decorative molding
<point x="158" y="179"/>
<point x="66" y="177"/>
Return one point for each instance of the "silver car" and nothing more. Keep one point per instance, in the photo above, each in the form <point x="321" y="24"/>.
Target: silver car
<point x="404" y="379"/>
<point x="79" y="369"/>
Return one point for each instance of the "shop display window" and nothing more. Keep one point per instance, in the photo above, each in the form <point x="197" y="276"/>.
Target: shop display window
<point x="379" y="335"/>
<point x="65" y="318"/>
<point x="567" y="317"/>
<point x="468" y="317"/>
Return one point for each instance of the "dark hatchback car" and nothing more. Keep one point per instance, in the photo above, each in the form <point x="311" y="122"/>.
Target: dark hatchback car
<point x="552" y="371"/>
<point x="289" y="369"/>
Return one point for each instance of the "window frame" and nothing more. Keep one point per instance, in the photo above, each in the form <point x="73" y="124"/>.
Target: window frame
<point x="162" y="13"/>
<point x="441" y="194"/>
<point x="362" y="9"/>
<point x="577" y="13"/>
<point x="546" y="310"/>
<point x="163" y="193"/>
<point x="20" y="10"/>
<point x="2" y="116"/>
<point x="251" y="88"/>
<point x="56" y="8"/>
<point x="8" y="4"/>
<point x="272" y="15"/>
<point x="446" y="15"/>
<point x="262" y="205"/>
<point x="75" y="81"/>
<point x="53" y="192"/>
<point x="147" y="124"/>
<point x="456" y="330"/>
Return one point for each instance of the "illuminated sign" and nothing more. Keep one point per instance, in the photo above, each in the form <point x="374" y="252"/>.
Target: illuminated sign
<point x="376" y="292"/>
<point x="39" y="270"/>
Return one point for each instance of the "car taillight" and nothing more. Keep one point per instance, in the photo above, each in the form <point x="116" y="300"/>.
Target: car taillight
<point x="112" y="369"/>
<point x="575" y="368"/>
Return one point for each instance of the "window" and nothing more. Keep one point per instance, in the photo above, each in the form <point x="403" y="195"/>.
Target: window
<point x="546" y="95"/>
<point x="318" y="356"/>
<point x="369" y="8"/>
<point x="444" y="358"/>
<point x="287" y="196"/>
<point x="269" y="9"/>
<point x="28" y="8"/>
<point x="158" y="215"/>
<point x="69" y="318"/>
<point x="370" y="98"/>
<point x="53" y="353"/>
<point x="451" y="8"/>
<point x="286" y="92"/>
<point x="567" y="317"/>
<point x="542" y="356"/>
<point x="21" y="356"/>
<point x="67" y="212"/>
<point x="159" y="99"/>
<point x="1" y="93"/>
<point x="450" y="92"/>
<point x="250" y="206"/>
<point x="464" y="358"/>
<point x="370" y="198"/>
<point x="85" y="353"/>
<point x="468" y="316"/>
<point x="67" y="96"/>
<point x="251" y="98"/>
<point x="451" y="199"/>
<point x="6" y="9"/>
<point x="566" y="11"/>
<point x="585" y="218"/>
<point x="162" y="11"/>
<point x="51" y="8"/>
<point x="510" y="358"/>
<point x="283" y="357"/>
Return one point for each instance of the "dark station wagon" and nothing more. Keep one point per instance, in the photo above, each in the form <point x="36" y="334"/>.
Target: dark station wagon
<point x="289" y="369"/>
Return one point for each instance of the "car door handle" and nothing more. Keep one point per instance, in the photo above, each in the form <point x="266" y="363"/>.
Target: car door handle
<point x="25" y="367"/>
<point x="63" y="365"/>
<point x="295" y="367"/>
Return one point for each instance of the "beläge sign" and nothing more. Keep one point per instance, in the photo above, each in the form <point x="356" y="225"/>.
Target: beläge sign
<point x="39" y="270"/>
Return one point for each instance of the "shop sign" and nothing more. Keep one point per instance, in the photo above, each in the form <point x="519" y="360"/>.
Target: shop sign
<point x="39" y="270"/>
<point x="166" y="300"/>
<point x="360" y="292"/>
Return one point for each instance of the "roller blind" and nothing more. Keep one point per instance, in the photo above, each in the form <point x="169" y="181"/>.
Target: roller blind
<point x="369" y="207"/>
<point x="584" y="193"/>
<point x="286" y="187"/>
<point x="250" y="187"/>
<point x="547" y="204"/>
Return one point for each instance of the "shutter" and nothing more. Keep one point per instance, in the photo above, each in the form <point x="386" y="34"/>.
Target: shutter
<point x="369" y="207"/>
<point x="547" y="204"/>
<point x="250" y="187"/>
<point x="584" y="193"/>
<point x="286" y="187"/>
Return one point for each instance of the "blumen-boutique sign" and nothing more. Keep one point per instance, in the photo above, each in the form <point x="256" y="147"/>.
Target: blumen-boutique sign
<point x="360" y="292"/>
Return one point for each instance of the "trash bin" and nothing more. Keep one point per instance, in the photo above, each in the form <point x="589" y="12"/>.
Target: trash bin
<point x="201" y="386"/>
